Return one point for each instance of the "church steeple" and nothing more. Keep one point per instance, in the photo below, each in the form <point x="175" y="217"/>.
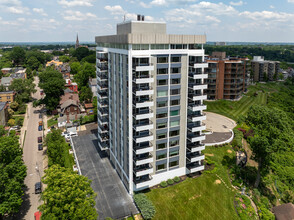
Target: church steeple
<point x="77" y="42"/>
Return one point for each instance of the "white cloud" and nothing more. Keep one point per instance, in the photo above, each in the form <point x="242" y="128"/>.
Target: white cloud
<point x="115" y="10"/>
<point x="158" y="2"/>
<point x="272" y="7"/>
<point x="18" y="10"/>
<point x="240" y="3"/>
<point x="78" y="16"/>
<point x="10" y="2"/>
<point x="291" y="1"/>
<point x="74" y="3"/>
<point x="40" y="11"/>
<point x="21" y="19"/>
<point x="268" y="15"/>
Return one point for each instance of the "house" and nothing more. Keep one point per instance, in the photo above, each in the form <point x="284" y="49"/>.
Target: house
<point x="71" y="85"/>
<point x="284" y="212"/>
<point x="3" y="113"/>
<point x="6" y="81"/>
<point x="67" y="90"/>
<point x="7" y="96"/>
<point x="70" y="109"/>
<point x="67" y="96"/>
<point x="54" y="63"/>
<point x="93" y="86"/>
<point x="89" y="108"/>
<point x="19" y="74"/>
<point x="6" y="70"/>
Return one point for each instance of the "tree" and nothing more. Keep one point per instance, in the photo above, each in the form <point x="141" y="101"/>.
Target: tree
<point x="33" y="63"/>
<point x="18" y="55"/>
<point x="64" y="59"/>
<point x="2" y="88"/>
<point x="82" y="77"/>
<point x="52" y="83"/>
<point x="11" y="122"/>
<point x="14" y="105"/>
<point x="94" y="101"/>
<point x="90" y="59"/>
<point x="23" y="88"/>
<point x="81" y="52"/>
<point x="67" y="195"/>
<point x="85" y="94"/>
<point x="75" y="67"/>
<point x="29" y="73"/>
<point x="12" y="175"/>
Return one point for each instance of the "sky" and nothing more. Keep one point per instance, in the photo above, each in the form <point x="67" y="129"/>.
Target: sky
<point x="226" y="20"/>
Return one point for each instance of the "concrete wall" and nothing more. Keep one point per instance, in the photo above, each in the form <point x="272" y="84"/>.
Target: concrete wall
<point x="141" y="27"/>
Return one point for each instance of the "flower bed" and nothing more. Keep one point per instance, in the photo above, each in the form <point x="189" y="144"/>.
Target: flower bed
<point x="244" y="208"/>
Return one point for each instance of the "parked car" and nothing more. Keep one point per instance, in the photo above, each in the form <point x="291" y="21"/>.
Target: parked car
<point x="40" y="139"/>
<point x="40" y="122"/>
<point x="38" y="187"/>
<point x="40" y="146"/>
<point x="40" y="127"/>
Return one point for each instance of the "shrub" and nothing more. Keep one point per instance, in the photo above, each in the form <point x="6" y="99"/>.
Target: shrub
<point x="250" y="133"/>
<point x="145" y="205"/>
<point x="237" y="138"/>
<point x="177" y="179"/>
<point x="170" y="182"/>
<point x="163" y="184"/>
<point x="11" y="122"/>
<point x="243" y="130"/>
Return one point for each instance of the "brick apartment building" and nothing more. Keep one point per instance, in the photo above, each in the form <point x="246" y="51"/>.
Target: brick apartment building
<point x="228" y="77"/>
<point x="264" y="70"/>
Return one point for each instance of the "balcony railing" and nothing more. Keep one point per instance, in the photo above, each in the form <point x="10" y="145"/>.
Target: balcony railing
<point x="142" y="145"/>
<point x="144" y="156"/>
<point x="140" y="75"/>
<point x="143" y="134"/>
<point x="142" y="167"/>
<point x="142" y="179"/>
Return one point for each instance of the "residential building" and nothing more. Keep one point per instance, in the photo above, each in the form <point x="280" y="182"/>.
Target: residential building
<point x="3" y="113"/>
<point x="93" y="86"/>
<point x="6" y="70"/>
<point x="71" y="85"/>
<point x="19" y="74"/>
<point x="284" y="211"/>
<point x="264" y="70"/>
<point x="70" y="109"/>
<point x="228" y="77"/>
<point x="6" y="81"/>
<point x="54" y="63"/>
<point x="7" y="96"/>
<point x="150" y="102"/>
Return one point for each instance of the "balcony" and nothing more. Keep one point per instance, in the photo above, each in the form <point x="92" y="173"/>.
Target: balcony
<point x="143" y="102"/>
<point x="143" y="90"/>
<point x="195" y="167"/>
<point x="103" y="120"/>
<point x="102" y="112"/>
<point x="196" y="117"/>
<point x="103" y="145"/>
<point x="195" y="137"/>
<point x="143" y="159"/>
<point x="142" y="181"/>
<point x="194" y="127"/>
<point x="194" y="107"/>
<point x="198" y="76"/>
<point x="142" y="148"/>
<point x="143" y="114"/>
<point x="102" y="67"/>
<point x="103" y="103"/>
<point x="102" y="86"/>
<point x="143" y="170"/>
<point x="142" y="77"/>
<point x="195" y="147"/>
<point x="143" y="136"/>
<point x="197" y="97"/>
<point x="102" y="95"/>
<point x="201" y="65"/>
<point x="103" y="137"/>
<point x="194" y="157"/>
<point x="197" y="86"/>
<point x="143" y="67"/>
<point x="102" y="76"/>
<point x="142" y="125"/>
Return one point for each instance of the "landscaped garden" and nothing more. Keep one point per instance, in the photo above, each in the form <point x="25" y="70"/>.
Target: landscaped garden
<point x="209" y="196"/>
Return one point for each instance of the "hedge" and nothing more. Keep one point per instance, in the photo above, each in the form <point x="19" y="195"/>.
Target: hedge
<point x="145" y="206"/>
<point x="170" y="182"/>
<point x="238" y="135"/>
<point x="163" y="184"/>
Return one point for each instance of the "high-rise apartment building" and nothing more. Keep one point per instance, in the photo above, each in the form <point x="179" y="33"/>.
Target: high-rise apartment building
<point x="228" y="77"/>
<point x="150" y="102"/>
<point x="264" y="70"/>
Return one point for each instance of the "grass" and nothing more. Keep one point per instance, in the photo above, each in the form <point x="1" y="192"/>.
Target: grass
<point x="233" y="109"/>
<point x="198" y="198"/>
<point x="18" y="120"/>
<point x="69" y="159"/>
<point x="52" y="121"/>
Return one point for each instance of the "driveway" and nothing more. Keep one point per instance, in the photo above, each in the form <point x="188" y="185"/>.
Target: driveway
<point x="112" y="198"/>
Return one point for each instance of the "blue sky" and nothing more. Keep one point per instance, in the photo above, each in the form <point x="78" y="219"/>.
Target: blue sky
<point x="227" y="20"/>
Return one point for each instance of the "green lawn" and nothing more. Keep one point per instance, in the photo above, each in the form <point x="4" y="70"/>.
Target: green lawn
<point x="52" y="121"/>
<point x="233" y="109"/>
<point x="198" y="198"/>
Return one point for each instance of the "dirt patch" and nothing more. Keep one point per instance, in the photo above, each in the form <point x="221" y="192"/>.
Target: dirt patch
<point x="194" y="197"/>
<point x="229" y="151"/>
<point x="138" y="217"/>
<point x="210" y="155"/>
<point x="250" y="162"/>
<point x="217" y="182"/>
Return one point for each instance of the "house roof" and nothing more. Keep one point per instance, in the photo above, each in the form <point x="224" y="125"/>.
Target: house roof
<point x="7" y="92"/>
<point x="68" y="103"/>
<point x="88" y="105"/>
<point x="93" y="82"/>
<point x="67" y="90"/>
<point x="67" y="96"/>
<point x="284" y="212"/>
<point x="5" y="80"/>
<point x="6" y="69"/>
<point x="2" y="105"/>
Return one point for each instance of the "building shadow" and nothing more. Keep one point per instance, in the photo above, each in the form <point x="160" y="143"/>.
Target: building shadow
<point x="25" y="207"/>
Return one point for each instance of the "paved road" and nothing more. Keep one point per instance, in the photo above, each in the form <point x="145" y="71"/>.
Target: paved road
<point x="112" y="198"/>
<point x="32" y="158"/>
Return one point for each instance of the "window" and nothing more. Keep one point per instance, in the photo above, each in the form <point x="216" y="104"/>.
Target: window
<point x="68" y="110"/>
<point x="162" y="82"/>
<point x="174" y="112"/>
<point x="175" y="81"/>
<point x="161" y="125"/>
<point x="175" y="102"/>
<point x="160" y="156"/>
<point x="174" y="163"/>
<point x="174" y="143"/>
<point x="162" y="71"/>
<point x="161" y="104"/>
<point x="161" y="167"/>
<point x="75" y="108"/>
<point x="161" y="146"/>
<point x="161" y="136"/>
<point x="174" y="133"/>
<point x="174" y="153"/>
<point x="161" y="115"/>
<point x="159" y="46"/>
<point x="174" y="123"/>
<point x="175" y="91"/>
<point x="161" y="93"/>
<point x="162" y="59"/>
<point x="175" y="70"/>
<point x="175" y="59"/>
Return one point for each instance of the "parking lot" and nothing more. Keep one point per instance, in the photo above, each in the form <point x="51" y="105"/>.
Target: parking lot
<point x="112" y="198"/>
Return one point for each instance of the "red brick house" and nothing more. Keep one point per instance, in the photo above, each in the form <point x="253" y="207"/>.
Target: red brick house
<point x="70" y="108"/>
<point x="71" y="85"/>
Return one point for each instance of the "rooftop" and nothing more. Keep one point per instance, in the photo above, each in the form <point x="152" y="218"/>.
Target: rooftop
<point x="2" y="105"/>
<point x="284" y="212"/>
<point x="7" y="92"/>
